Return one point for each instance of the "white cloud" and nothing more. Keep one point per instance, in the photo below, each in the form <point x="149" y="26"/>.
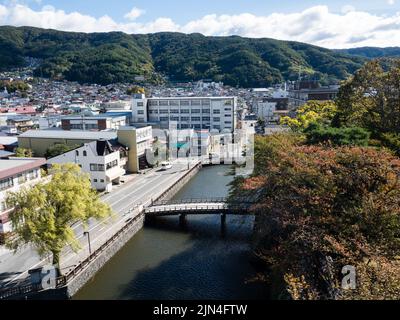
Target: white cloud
<point x="316" y="25"/>
<point x="348" y="8"/>
<point x="134" y="14"/>
<point x="391" y="2"/>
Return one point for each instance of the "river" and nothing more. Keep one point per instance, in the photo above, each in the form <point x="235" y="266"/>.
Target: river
<point x="167" y="261"/>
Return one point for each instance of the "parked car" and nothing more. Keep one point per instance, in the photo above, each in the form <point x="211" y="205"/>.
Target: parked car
<point x="166" y="165"/>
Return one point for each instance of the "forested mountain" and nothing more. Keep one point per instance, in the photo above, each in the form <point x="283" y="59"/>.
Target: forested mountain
<point x="118" y="57"/>
<point x="373" y="52"/>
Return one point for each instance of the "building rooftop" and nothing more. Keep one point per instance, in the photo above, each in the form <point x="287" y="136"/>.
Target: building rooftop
<point x="13" y="166"/>
<point x="64" y="134"/>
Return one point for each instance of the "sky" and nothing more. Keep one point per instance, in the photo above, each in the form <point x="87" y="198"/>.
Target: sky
<point x="330" y="24"/>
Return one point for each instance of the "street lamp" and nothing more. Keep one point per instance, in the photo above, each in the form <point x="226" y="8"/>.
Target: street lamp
<point x="87" y="233"/>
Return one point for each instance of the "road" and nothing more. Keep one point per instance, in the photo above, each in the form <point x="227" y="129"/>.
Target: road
<point x="14" y="266"/>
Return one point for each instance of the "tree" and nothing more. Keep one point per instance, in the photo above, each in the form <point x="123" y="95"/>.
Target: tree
<point x="371" y="99"/>
<point x="135" y="90"/>
<point x="344" y="136"/>
<point x="58" y="149"/>
<point x="320" y="112"/>
<point x="318" y="209"/>
<point x="23" y="153"/>
<point x="43" y="214"/>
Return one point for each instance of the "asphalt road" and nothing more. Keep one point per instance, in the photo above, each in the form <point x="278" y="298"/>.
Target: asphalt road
<point x="140" y="190"/>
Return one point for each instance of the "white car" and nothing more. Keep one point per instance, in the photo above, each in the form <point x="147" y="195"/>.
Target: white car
<point x="166" y="165"/>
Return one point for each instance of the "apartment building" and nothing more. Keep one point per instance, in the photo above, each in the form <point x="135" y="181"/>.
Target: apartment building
<point x="104" y="160"/>
<point x="198" y="113"/>
<point x="16" y="173"/>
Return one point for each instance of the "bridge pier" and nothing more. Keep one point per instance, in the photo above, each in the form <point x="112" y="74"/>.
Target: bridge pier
<point x="182" y="220"/>
<point x="223" y="223"/>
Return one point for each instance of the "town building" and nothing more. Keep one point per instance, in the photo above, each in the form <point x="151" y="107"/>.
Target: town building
<point x="199" y="113"/>
<point x="14" y="174"/>
<point x="95" y="123"/>
<point x="105" y="162"/>
<point x="137" y="140"/>
<point x="304" y="91"/>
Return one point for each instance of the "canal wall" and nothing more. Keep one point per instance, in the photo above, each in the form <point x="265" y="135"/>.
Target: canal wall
<point x="98" y="262"/>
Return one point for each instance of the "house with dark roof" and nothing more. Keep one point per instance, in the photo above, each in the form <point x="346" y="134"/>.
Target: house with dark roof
<point x="104" y="160"/>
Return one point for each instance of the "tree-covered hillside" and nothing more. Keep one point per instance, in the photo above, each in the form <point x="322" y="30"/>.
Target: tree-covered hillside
<point x="373" y="52"/>
<point x="117" y="57"/>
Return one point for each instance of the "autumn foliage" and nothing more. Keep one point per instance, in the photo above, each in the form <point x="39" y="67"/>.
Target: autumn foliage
<point x="319" y="209"/>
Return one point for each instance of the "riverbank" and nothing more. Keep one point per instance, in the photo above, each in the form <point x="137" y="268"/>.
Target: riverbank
<point x="166" y="260"/>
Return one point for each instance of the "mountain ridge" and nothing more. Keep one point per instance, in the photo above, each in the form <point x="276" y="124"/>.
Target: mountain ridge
<point x="119" y="57"/>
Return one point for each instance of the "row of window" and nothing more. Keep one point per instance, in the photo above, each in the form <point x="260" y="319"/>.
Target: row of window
<point x="100" y="167"/>
<point x="204" y="119"/>
<point x="182" y="111"/>
<point x="181" y="102"/>
<point x="88" y="126"/>
<point x="22" y="178"/>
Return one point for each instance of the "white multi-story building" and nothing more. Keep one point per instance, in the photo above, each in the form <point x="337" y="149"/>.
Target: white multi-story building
<point x="104" y="162"/>
<point x="198" y="113"/>
<point x="14" y="174"/>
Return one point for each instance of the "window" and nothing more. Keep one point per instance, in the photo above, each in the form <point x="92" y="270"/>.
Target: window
<point x="6" y="183"/>
<point x="33" y="174"/>
<point x="102" y="180"/>
<point x="185" y="111"/>
<point x="184" y="103"/>
<point x="228" y="116"/>
<point x="228" y="122"/>
<point x="185" y="118"/>
<point x="85" y="153"/>
<point x="195" y="118"/>
<point x="174" y="103"/>
<point x="140" y="104"/>
<point x="206" y="111"/>
<point x="216" y="111"/>
<point x="174" y="118"/>
<point x="163" y="111"/>
<point x="196" y="102"/>
<point x="195" y="110"/>
<point x="197" y="126"/>
<point x="22" y="178"/>
<point x="216" y="119"/>
<point x="228" y="109"/>
<point x="94" y="180"/>
<point x="111" y="164"/>
<point x="163" y="118"/>
<point x="153" y="103"/>
<point x="174" y="111"/>
<point x="205" y="102"/>
<point x="77" y="153"/>
<point x="96" y="167"/>
<point x="140" y="112"/>
<point x="3" y="206"/>
<point x="206" y="118"/>
<point x="163" y="103"/>
<point x="140" y="119"/>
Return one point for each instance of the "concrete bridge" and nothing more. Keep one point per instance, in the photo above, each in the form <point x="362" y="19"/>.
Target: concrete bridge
<point x="197" y="207"/>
